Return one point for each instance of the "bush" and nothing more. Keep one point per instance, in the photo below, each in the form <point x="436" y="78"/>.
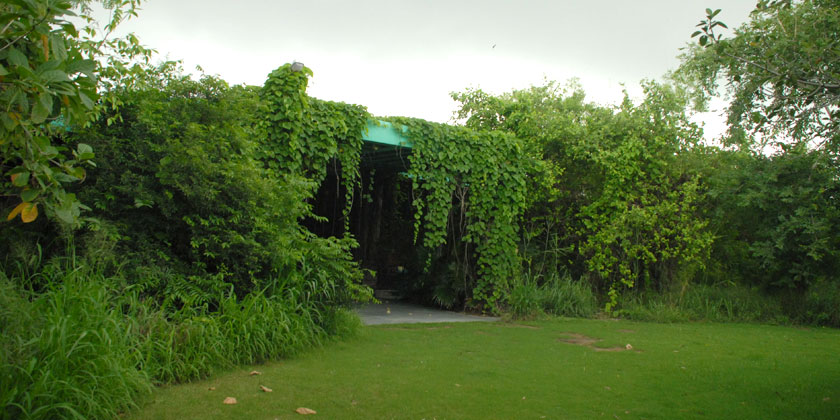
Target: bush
<point x="821" y="304"/>
<point x="698" y="302"/>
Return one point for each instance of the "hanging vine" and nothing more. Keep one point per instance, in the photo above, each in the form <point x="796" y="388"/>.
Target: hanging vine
<point x="484" y="175"/>
<point x="303" y="134"/>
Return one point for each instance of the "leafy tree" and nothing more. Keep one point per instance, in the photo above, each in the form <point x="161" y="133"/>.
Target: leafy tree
<point x="643" y="229"/>
<point x="50" y="76"/>
<point x="781" y="70"/>
<point x="197" y="211"/>
<point x="619" y="203"/>
<point x="775" y="218"/>
<point x="774" y="215"/>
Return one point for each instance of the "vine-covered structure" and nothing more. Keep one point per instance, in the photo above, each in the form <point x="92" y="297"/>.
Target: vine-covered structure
<point x="435" y="207"/>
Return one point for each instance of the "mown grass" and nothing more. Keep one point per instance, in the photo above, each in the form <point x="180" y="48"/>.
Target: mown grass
<point x="525" y="370"/>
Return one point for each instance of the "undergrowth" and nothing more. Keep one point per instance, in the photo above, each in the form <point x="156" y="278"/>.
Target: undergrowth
<point x="557" y="295"/>
<point x="87" y="347"/>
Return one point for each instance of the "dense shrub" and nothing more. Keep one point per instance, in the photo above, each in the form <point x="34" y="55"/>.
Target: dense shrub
<point x="181" y="187"/>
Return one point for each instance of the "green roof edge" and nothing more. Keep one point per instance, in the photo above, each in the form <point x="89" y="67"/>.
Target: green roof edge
<point x="383" y="132"/>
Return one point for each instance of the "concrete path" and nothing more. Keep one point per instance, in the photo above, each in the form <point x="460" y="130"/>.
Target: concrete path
<point x="408" y="313"/>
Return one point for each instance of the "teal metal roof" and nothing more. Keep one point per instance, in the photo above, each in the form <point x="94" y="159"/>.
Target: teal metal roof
<point x="384" y="132"/>
<point x="385" y="147"/>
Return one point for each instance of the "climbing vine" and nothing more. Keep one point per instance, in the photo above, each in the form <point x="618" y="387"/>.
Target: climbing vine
<point x="302" y="135"/>
<point x="483" y="175"/>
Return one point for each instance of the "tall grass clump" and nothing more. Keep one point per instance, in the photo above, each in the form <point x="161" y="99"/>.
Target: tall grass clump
<point x="699" y="302"/>
<point x="558" y="295"/>
<point x="87" y="346"/>
<point x="66" y="352"/>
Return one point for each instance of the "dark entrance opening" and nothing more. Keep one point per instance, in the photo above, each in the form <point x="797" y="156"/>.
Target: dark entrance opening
<point x="381" y="219"/>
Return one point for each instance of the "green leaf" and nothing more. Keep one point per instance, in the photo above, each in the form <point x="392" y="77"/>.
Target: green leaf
<point x="54" y="76"/>
<point x="86" y="101"/>
<point x="46" y="100"/>
<point x="83" y="148"/>
<point x="85" y="67"/>
<point x="3" y="70"/>
<point x="20" y="180"/>
<point x="29" y="195"/>
<point x="17" y="58"/>
<point x="39" y="113"/>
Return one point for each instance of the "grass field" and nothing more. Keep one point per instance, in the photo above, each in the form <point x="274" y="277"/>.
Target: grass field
<point x="545" y="369"/>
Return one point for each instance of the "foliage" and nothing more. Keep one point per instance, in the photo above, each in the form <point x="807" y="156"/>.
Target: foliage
<point x="183" y="157"/>
<point x="90" y="347"/>
<point x="644" y="225"/>
<point x="557" y="295"/>
<point x="781" y="69"/>
<point x="479" y="178"/>
<point x="614" y="189"/>
<point x="49" y="78"/>
<point x="302" y="134"/>
<point x="699" y="302"/>
<point x="775" y="217"/>
<point x="67" y="353"/>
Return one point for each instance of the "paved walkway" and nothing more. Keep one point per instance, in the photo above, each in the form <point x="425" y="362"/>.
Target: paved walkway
<point x="408" y="313"/>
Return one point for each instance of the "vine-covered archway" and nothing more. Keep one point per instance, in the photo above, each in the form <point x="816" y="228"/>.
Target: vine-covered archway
<point x="465" y="190"/>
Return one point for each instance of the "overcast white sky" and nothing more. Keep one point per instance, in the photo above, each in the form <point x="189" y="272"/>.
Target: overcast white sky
<point x="402" y="57"/>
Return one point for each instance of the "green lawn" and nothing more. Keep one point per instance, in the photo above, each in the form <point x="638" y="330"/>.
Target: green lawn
<point x="525" y="370"/>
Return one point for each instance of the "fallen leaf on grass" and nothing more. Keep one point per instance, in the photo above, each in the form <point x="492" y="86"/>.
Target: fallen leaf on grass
<point x="255" y="372"/>
<point x="230" y="401"/>
<point x="305" y="411"/>
<point x="212" y="388"/>
<point x="265" y="388"/>
<point x="628" y="347"/>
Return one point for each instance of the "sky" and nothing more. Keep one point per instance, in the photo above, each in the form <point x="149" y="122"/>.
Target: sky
<point x="403" y="58"/>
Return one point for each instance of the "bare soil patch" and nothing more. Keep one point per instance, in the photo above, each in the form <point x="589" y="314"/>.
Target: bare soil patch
<point x="585" y="341"/>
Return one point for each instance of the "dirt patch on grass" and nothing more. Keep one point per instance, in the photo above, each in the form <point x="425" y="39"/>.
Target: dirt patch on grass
<point x="528" y="327"/>
<point x="585" y="341"/>
<point x="580" y="339"/>
<point x="445" y="327"/>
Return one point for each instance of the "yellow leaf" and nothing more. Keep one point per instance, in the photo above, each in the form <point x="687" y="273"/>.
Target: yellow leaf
<point x="229" y="401"/>
<point x="305" y="411"/>
<point x="29" y="212"/>
<point x="255" y="372"/>
<point x="16" y="211"/>
<point x="265" y="388"/>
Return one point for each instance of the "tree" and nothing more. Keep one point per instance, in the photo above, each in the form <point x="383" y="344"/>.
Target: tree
<point x="781" y="70"/>
<point x="618" y="194"/>
<point x="50" y="77"/>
